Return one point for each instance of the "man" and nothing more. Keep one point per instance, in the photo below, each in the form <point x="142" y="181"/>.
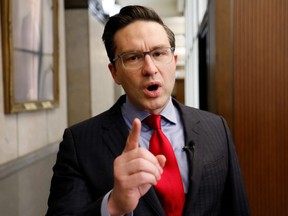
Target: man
<point x="106" y="165"/>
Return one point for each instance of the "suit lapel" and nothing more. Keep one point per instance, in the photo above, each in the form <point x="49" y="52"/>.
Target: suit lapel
<point x="114" y="129"/>
<point x="195" y="161"/>
<point x="115" y="133"/>
<point x="195" y="153"/>
<point x="153" y="201"/>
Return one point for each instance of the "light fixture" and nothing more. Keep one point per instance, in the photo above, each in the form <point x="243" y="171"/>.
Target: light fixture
<point x="110" y="8"/>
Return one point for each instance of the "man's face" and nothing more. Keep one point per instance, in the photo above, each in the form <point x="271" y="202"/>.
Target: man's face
<point x="148" y="87"/>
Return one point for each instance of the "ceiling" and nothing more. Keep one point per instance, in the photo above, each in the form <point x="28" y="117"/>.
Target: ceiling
<point x="165" y="8"/>
<point x="171" y="11"/>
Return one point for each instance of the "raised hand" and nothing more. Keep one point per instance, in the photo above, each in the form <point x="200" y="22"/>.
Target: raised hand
<point x="135" y="171"/>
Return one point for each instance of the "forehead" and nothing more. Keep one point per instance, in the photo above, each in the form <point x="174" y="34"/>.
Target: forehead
<point x="141" y="35"/>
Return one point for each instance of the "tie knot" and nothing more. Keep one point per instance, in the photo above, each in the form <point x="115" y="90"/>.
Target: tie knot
<point x="154" y="121"/>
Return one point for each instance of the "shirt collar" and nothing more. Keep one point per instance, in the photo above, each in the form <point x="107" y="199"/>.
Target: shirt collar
<point x="130" y="112"/>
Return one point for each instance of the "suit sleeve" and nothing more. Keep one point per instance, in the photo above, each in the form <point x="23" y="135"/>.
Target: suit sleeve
<point x="69" y="192"/>
<point x="235" y="201"/>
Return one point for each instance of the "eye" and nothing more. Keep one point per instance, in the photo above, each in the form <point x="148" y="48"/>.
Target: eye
<point x="159" y="53"/>
<point x="131" y="57"/>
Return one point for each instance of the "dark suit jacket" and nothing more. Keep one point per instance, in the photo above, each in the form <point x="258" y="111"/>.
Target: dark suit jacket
<point x="83" y="173"/>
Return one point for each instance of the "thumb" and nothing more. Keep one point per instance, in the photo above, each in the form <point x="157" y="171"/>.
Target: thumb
<point x="133" y="138"/>
<point x="162" y="160"/>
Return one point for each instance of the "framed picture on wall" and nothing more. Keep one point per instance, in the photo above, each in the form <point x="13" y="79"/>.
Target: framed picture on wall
<point x="30" y="54"/>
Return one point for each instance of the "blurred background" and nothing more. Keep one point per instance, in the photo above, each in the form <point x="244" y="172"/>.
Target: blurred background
<point x="233" y="62"/>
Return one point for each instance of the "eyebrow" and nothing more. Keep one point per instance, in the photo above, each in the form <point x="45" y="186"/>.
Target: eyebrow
<point x="153" y="48"/>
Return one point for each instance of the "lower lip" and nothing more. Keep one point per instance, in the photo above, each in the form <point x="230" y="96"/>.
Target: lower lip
<point x="152" y="94"/>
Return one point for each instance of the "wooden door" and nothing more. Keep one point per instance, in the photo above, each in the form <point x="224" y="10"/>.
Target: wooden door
<point x="248" y="42"/>
<point x="261" y="101"/>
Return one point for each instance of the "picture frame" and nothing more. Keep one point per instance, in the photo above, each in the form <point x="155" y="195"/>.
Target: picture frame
<point x="30" y="50"/>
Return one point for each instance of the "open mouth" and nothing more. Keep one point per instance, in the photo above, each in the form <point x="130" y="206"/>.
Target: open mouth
<point x="152" y="87"/>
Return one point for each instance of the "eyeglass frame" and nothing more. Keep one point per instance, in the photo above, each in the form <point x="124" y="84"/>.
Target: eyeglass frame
<point x="119" y="56"/>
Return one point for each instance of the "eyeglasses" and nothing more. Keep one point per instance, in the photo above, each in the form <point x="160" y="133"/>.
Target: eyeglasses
<point x="135" y="59"/>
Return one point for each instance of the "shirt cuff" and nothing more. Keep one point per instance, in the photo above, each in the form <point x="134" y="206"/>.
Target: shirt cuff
<point x="104" y="206"/>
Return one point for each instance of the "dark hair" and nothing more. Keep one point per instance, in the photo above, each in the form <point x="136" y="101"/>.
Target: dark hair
<point x="126" y="16"/>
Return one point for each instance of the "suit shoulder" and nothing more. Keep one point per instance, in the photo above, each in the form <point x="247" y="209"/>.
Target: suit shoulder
<point x="187" y="110"/>
<point x="107" y="117"/>
<point x="95" y="121"/>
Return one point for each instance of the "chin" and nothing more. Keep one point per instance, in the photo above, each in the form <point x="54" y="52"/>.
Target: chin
<point x="155" y="106"/>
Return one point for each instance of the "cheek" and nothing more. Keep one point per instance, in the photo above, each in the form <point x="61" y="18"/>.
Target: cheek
<point x="171" y="85"/>
<point x="170" y="76"/>
<point x="170" y="81"/>
<point x="129" y="81"/>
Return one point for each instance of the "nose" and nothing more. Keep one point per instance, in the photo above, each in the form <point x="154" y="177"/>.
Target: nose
<point x="149" y="66"/>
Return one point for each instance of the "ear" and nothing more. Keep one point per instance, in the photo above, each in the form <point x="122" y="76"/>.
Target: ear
<point x="113" y="72"/>
<point x="176" y="58"/>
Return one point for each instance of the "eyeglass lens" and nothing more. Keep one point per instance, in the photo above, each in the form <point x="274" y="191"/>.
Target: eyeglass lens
<point x="136" y="59"/>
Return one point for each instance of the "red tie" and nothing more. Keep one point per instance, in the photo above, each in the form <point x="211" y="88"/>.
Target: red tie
<point x="170" y="187"/>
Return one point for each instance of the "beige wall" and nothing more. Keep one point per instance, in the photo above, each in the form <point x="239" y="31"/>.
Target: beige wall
<point x="24" y="133"/>
<point x="25" y="181"/>
<point x="88" y="76"/>
<point x="103" y="89"/>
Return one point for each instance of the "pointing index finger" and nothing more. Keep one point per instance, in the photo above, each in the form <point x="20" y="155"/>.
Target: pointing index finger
<point x="133" y="138"/>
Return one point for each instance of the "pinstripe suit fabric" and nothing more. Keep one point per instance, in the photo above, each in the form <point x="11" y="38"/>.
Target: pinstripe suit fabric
<point x="83" y="172"/>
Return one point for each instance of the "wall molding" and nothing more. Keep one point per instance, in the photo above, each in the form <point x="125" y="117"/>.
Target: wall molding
<point x="14" y="166"/>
